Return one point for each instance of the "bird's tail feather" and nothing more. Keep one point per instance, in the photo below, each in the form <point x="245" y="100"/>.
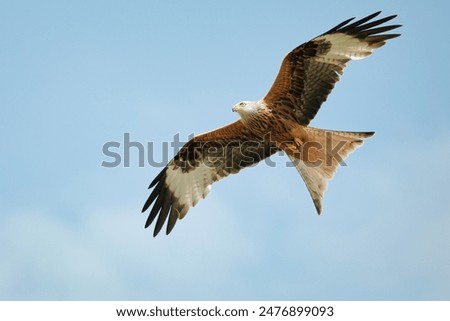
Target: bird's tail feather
<point x="318" y="158"/>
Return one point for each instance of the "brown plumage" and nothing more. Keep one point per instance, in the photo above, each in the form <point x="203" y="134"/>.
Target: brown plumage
<point x="277" y="122"/>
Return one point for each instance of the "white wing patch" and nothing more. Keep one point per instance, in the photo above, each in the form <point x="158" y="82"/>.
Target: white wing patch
<point x="346" y="47"/>
<point x="189" y="187"/>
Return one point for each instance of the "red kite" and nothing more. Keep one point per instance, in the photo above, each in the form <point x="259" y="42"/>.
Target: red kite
<point x="279" y="121"/>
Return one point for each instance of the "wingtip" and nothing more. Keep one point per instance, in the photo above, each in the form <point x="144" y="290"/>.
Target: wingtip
<point x="391" y="16"/>
<point x="365" y="26"/>
<point x="157" y="230"/>
<point x="393" y="35"/>
<point x="145" y="207"/>
<point x="158" y="178"/>
<point x="376" y="13"/>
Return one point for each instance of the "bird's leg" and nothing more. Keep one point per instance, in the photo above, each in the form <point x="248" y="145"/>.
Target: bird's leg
<point x="295" y="145"/>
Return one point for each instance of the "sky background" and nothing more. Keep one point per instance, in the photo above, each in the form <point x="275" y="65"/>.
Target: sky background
<point x="76" y="75"/>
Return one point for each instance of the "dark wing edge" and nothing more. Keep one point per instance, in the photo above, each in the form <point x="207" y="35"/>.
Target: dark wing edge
<point x="163" y="197"/>
<point x="309" y="73"/>
<point x="362" y="30"/>
<point x="188" y="176"/>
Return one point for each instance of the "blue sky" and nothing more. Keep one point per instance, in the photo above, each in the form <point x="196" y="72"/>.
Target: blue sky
<point x="75" y="75"/>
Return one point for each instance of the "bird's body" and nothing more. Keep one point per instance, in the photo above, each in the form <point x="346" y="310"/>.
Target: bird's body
<point x="277" y="122"/>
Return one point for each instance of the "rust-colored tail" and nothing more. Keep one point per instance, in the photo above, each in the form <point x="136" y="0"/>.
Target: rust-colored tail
<point x="318" y="154"/>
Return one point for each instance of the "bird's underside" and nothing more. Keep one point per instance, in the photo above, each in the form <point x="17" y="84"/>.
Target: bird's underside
<point x="279" y="121"/>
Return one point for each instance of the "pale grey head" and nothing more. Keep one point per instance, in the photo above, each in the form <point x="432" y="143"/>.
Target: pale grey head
<point x="249" y="109"/>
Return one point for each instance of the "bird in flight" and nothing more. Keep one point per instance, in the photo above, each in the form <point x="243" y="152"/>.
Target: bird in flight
<point x="279" y="121"/>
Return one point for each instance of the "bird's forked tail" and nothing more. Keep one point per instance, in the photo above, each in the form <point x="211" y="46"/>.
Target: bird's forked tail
<point x="318" y="153"/>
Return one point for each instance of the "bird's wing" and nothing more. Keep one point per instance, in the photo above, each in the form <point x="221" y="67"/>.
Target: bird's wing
<point x="309" y="72"/>
<point x="202" y="161"/>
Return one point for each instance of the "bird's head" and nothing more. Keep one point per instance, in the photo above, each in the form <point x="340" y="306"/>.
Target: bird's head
<point x="246" y="109"/>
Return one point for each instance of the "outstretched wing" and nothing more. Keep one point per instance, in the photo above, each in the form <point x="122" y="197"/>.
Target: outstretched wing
<point x="202" y="161"/>
<point x="309" y="72"/>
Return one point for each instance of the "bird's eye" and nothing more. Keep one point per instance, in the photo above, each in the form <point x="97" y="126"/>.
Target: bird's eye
<point x="241" y="104"/>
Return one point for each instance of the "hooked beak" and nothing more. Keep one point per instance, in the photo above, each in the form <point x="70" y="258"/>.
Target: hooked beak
<point x="235" y="108"/>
